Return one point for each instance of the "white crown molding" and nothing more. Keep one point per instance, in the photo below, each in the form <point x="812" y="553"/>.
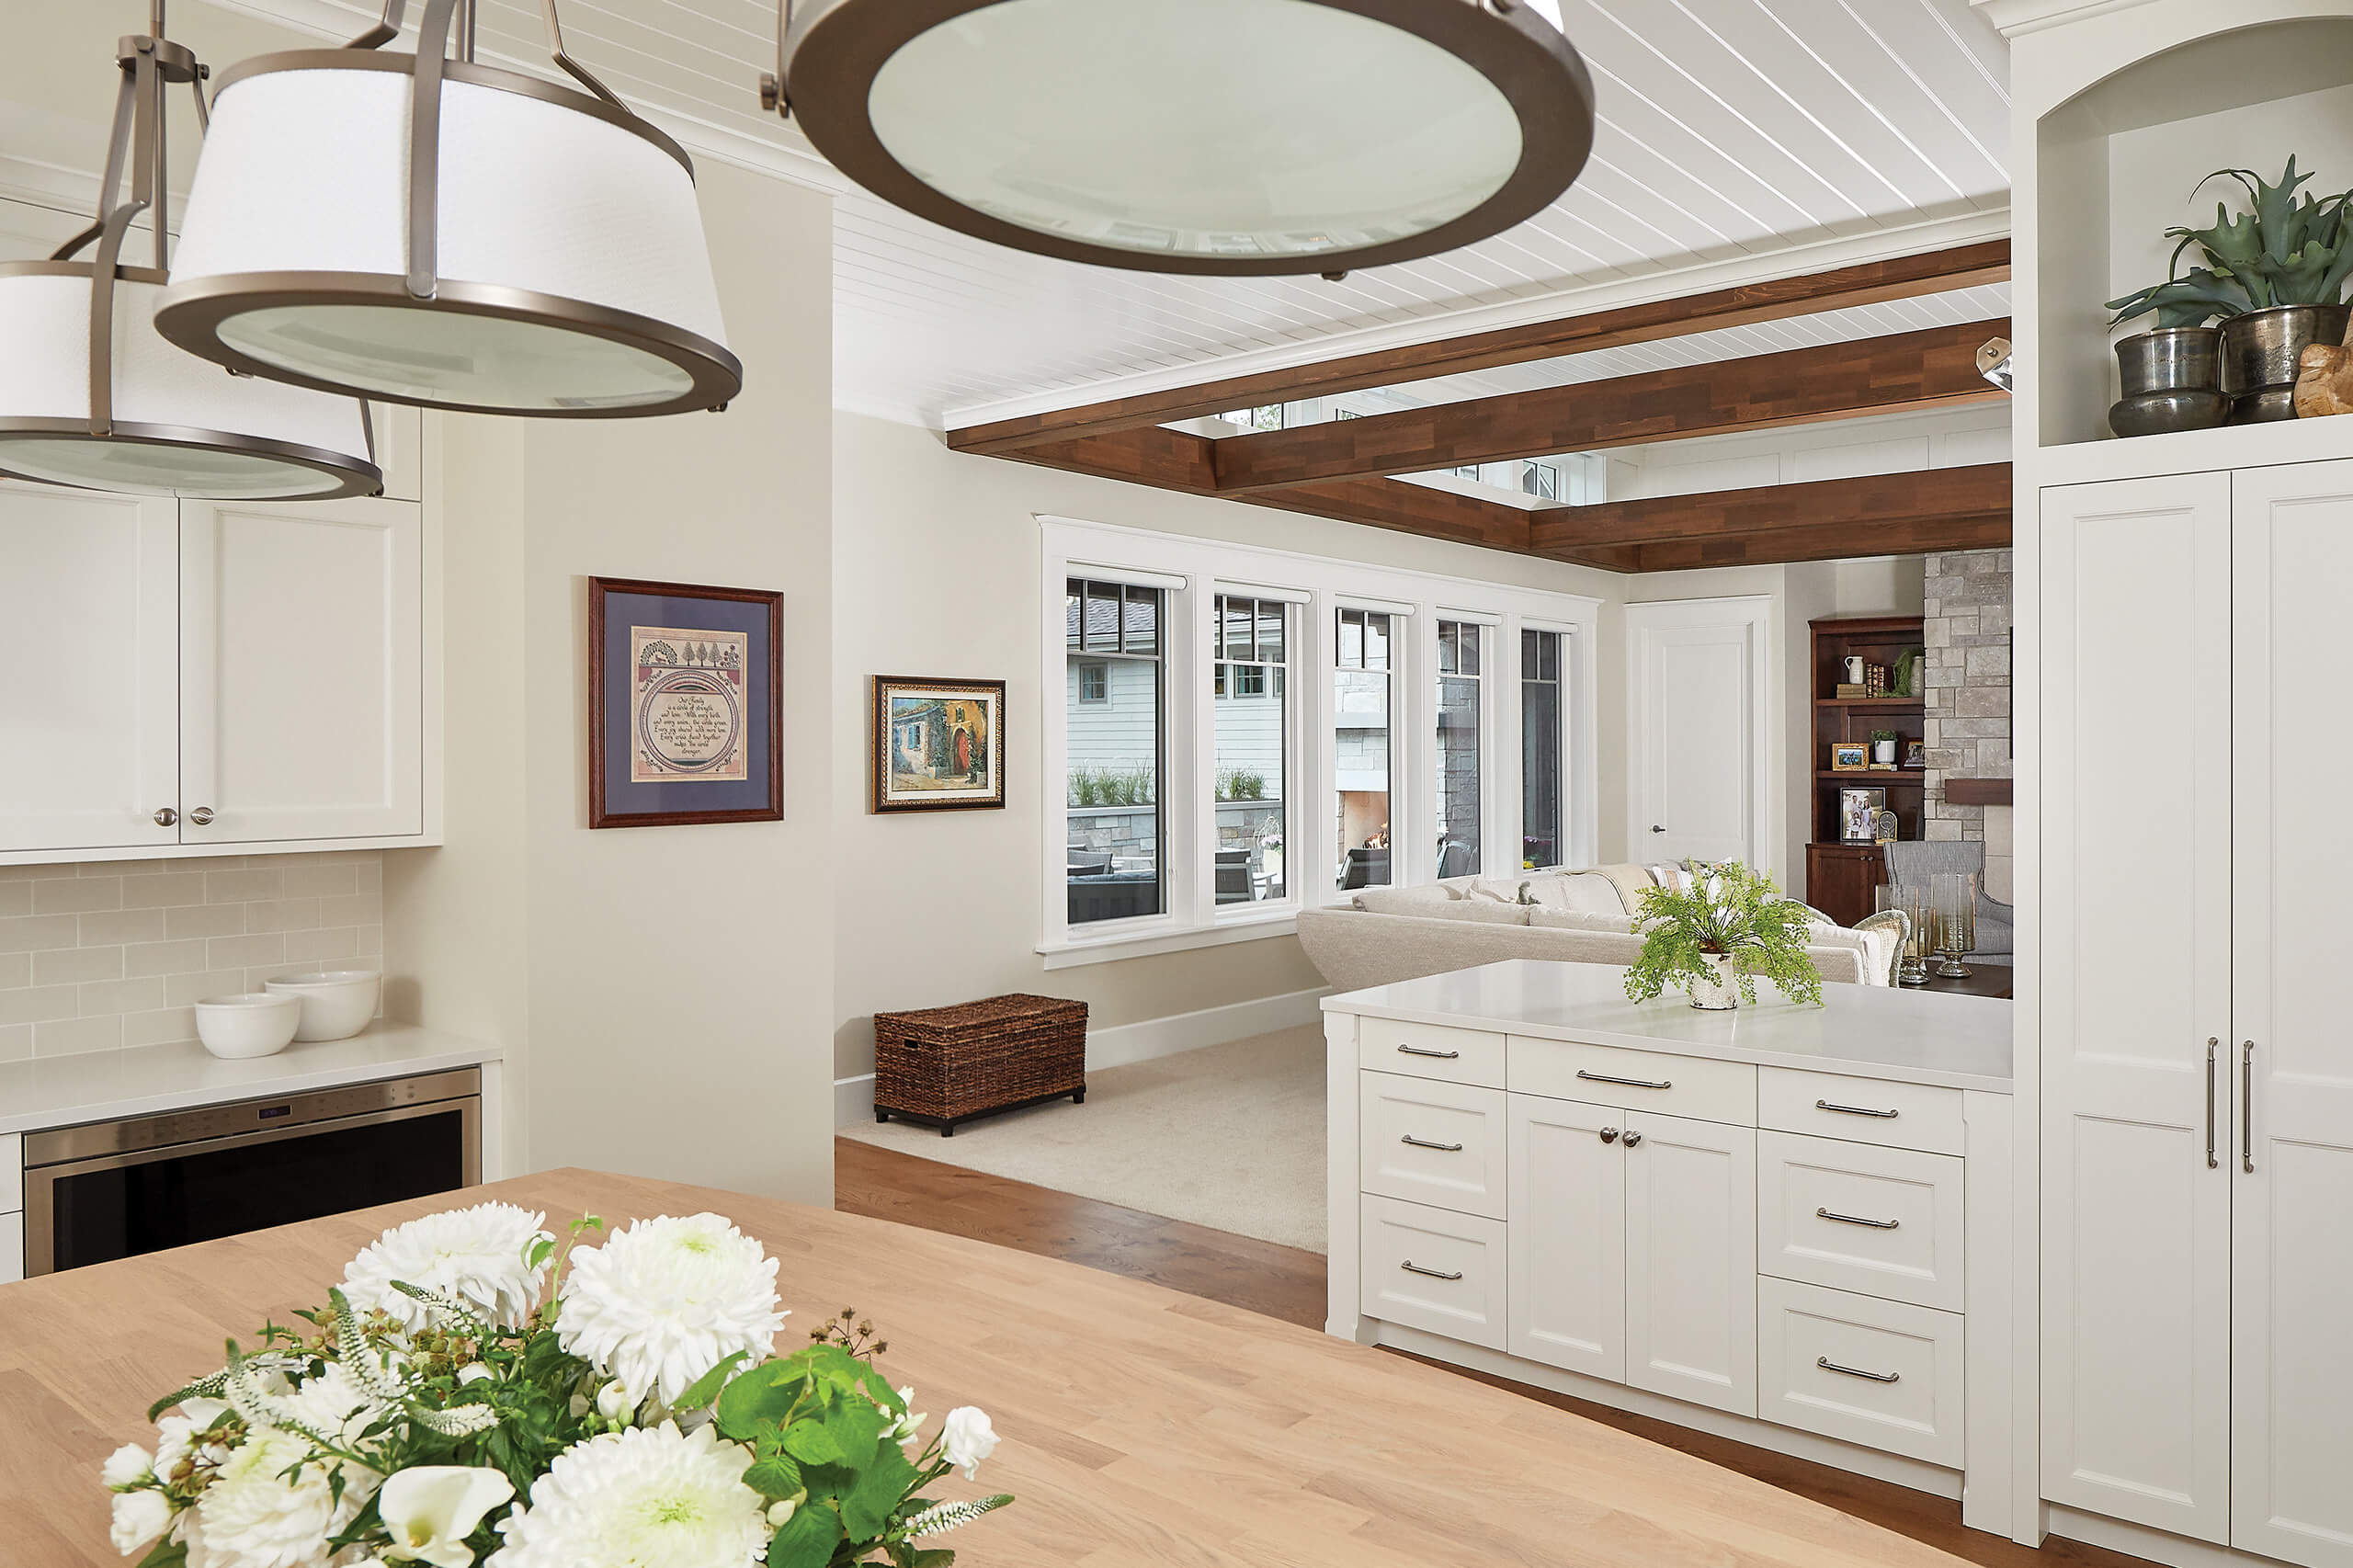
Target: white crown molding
<point x="865" y="407"/>
<point x="1879" y="245"/>
<point x="2016" y="17"/>
<point x="344" y="19"/>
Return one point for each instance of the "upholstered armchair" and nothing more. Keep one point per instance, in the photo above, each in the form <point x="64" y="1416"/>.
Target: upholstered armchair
<point x="1915" y="860"/>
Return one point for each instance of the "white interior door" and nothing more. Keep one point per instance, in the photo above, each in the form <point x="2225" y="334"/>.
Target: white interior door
<point x="301" y="634"/>
<point x="1692" y="1260"/>
<point x="88" y="714"/>
<point x="2136" y="980"/>
<point x="1696" y="715"/>
<point x="2290" y="1154"/>
<point x="1565" y="1196"/>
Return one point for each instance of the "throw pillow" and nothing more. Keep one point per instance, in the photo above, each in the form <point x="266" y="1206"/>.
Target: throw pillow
<point x="1418" y="900"/>
<point x="1583" y="892"/>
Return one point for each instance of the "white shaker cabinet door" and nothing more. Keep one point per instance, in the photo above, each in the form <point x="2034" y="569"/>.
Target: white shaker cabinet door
<point x="300" y="637"/>
<point x="2136" y="978"/>
<point x="1565" y="1195"/>
<point x="89" y="704"/>
<point x="2289" y="1153"/>
<point x="1692" y="1260"/>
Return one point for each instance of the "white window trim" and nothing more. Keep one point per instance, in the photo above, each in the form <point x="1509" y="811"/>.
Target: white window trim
<point x="1317" y="587"/>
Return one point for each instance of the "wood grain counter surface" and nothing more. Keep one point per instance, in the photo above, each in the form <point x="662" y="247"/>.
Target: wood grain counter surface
<point x="1141" y="1427"/>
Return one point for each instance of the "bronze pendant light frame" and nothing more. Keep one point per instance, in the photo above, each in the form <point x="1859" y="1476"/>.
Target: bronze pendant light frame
<point x="150" y="63"/>
<point x="829" y="52"/>
<point x="193" y="315"/>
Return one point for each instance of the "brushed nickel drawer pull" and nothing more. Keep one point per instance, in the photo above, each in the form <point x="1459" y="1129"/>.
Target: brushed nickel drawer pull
<point x="1418" y="1051"/>
<point x="1630" y="1083"/>
<point x="2246" y="1108"/>
<point x="1827" y="1365"/>
<point x="1410" y="1266"/>
<point x="2214" y="1042"/>
<point x="1852" y="1220"/>
<point x="1425" y="1144"/>
<point x="1856" y="1110"/>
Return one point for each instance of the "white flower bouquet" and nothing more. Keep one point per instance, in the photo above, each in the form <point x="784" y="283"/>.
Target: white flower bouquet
<point x="473" y="1394"/>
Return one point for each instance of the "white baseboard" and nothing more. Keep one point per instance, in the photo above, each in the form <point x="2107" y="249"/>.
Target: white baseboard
<point x="1126" y="1044"/>
<point x="2142" y="1540"/>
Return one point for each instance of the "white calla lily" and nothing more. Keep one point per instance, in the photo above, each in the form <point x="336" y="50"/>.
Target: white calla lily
<point x="431" y="1509"/>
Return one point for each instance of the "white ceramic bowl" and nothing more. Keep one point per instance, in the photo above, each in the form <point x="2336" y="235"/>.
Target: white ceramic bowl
<point x="336" y="1003"/>
<point x="252" y="1023"/>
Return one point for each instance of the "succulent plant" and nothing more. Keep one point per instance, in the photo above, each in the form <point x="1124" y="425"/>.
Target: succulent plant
<point x="2289" y="250"/>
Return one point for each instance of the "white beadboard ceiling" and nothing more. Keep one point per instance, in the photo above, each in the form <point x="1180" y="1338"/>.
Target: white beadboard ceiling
<point x="1738" y="140"/>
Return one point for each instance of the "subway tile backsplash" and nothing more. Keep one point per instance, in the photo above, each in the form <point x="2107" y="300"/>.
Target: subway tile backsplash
<point x="110" y="954"/>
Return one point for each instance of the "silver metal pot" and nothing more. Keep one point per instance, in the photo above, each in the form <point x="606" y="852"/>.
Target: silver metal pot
<point x="2259" y="350"/>
<point x="2172" y="381"/>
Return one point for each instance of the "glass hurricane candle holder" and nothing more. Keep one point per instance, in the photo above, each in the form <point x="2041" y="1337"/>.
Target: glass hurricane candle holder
<point x="1954" y="895"/>
<point x="1911" y="900"/>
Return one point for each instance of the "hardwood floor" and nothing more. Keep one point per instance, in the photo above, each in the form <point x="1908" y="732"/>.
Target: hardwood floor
<point x="1287" y="1283"/>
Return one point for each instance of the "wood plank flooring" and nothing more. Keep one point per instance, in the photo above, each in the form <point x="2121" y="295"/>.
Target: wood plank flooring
<point x="1287" y="1283"/>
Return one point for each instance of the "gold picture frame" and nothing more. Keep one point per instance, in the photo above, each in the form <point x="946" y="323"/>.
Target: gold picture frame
<point x="1850" y="757"/>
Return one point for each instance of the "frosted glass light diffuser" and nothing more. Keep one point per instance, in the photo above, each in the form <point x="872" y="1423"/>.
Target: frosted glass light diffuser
<point x="1198" y="136"/>
<point x="179" y="426"/>
<point x="570" y="275"/>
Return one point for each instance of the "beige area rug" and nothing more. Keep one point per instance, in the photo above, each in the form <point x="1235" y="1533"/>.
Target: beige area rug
<point x="1230" y="1136"/>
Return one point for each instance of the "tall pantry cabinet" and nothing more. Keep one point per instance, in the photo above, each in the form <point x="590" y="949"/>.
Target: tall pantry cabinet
<point x="2197" y="855"/>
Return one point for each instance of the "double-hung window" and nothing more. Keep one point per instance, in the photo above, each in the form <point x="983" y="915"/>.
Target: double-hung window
<point x="1251" y="641"/>
<point x="1115" y="823"/>
<point x="1542" y="755"/>
<point x="1362" y="754"/>
<point x="1461" y="645"/>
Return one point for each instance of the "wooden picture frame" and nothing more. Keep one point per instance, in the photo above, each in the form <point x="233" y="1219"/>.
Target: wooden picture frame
<point x="685" y="704"/>
<point x="1916" y="753"/>
<point x="935" y="746"/>
<point x="1850" y="757"/>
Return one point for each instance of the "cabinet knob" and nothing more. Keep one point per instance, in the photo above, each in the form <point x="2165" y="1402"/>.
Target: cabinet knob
<point x="165" y="816"/>
<point x="202" y="816"/>
<point x="1610" y="1135"/>
<point x="1633" y="1137"/>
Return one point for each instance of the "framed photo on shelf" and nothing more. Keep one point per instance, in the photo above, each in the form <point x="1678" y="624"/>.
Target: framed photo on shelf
<point x="1850" y="757"/>
<point x="1858" y="811"/>
<point x="1916" y="753"/>
<point x="685" y="704"/>
<point x="938" y="745"/>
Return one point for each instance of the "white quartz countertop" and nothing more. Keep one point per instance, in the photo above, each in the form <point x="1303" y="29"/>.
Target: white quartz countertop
<point x="1870" y="1031"/>
<point x="101" y="1085"/>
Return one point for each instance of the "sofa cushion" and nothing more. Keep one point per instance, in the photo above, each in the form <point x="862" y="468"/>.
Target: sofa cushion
<point x="1580" y="920"/>
<point x="1579" y="893"/>
<point x="1479" y="909"/>
<point x="1421" y="899"/>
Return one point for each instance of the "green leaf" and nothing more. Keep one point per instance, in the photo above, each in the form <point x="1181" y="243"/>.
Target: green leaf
<point x="856" y="1427"/>
<point x="869" y="1508"/>
<point x="166" y="1554"/>
<point x="811" y="1443"/>
<point x="704" y="1388"/>
<point x="806" y="1540"/>
<point x="775" y="1476"/>
<point x="763" y="1396"/>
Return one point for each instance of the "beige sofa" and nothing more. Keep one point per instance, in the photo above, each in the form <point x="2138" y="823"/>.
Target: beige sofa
<point x="1390" y="934"/>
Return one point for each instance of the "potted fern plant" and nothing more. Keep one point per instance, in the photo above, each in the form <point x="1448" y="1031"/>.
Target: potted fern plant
<point x="1712" y="939"/>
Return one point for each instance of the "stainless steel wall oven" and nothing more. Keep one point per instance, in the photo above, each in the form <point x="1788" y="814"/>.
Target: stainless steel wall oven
<point x="115" y="1189"/>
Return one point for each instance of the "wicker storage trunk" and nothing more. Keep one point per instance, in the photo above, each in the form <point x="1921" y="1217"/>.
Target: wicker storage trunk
<point x="944" y="1065"/>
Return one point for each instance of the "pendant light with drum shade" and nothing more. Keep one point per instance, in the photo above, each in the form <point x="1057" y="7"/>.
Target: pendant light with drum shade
<point x="423" y="229"/>
<point x="90" y="397"/>
<point x="1220" y="137"/>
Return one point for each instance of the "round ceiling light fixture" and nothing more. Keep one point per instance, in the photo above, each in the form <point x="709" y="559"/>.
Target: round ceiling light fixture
<point x="426" y="230"/>
<point x="91" y="397"/>
<point x="1233" y="137"/>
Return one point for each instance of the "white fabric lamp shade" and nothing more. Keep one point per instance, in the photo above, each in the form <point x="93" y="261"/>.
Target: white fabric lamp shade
<point x="571" y="274"/>
<point x="1239" y="137"/>
<point x="180" y="426"/>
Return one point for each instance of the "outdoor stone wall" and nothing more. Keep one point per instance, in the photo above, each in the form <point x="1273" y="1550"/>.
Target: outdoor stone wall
<point x="1966" y="684"/>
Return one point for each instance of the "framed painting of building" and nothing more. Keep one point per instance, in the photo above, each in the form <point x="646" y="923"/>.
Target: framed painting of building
<point x="685" y="704"/>
<point x="938" y="745"/>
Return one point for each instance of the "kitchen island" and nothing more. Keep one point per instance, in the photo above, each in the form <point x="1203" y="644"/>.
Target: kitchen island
<point x="1789" y="1225"/>
<point x="1141" y="1427"/>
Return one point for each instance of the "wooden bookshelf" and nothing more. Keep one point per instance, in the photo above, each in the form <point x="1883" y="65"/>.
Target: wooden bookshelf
<point x="1841" y="876"/>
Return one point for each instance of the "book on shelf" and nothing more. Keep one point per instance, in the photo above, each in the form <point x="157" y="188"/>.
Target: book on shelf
<point x="1850" y="689"/>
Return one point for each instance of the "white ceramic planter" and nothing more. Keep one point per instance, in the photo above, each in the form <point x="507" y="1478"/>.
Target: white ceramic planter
<point x="1720" y="994"/>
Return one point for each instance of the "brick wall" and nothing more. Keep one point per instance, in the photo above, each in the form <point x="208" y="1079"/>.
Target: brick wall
<point x="1966" y="682"/>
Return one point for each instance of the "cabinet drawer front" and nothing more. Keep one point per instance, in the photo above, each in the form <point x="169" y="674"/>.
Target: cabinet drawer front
<point x="1862" y="1111"/>
<point x="1855" y="1217"/>
<point x="1635" y="1080"/>
<point x="1425" y="1051"/>
<point x="12" y="1249"/>
<point x="1880" y="1373"/>
<point x="1435" y="1269"/>
<point x="1429" y="1142"/>
<point x="12" y="1173"/>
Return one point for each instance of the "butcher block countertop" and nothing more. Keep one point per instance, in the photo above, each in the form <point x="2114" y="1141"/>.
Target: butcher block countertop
<point x="1141" y="1427"/>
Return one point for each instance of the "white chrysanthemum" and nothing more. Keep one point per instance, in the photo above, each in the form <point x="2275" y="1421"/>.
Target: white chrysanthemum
<point x="480" y="1255"/>
<point x="650" y="1497"/>
<point x="666" y="1300"/>
<point x="251" y="1516"/>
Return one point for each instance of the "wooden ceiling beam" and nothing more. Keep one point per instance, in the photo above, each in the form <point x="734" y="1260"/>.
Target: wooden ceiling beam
<point x="1887" y="503"/>
<point x="1827" y="541"/>
<point x="1933" y="368"/>
<point x="1901" y="278"/>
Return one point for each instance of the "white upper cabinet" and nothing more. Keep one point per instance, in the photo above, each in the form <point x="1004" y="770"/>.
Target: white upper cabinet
<point x="88" y="713"/>
<point x="300" y="662"/>
<point x="2289" y="1151"/>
